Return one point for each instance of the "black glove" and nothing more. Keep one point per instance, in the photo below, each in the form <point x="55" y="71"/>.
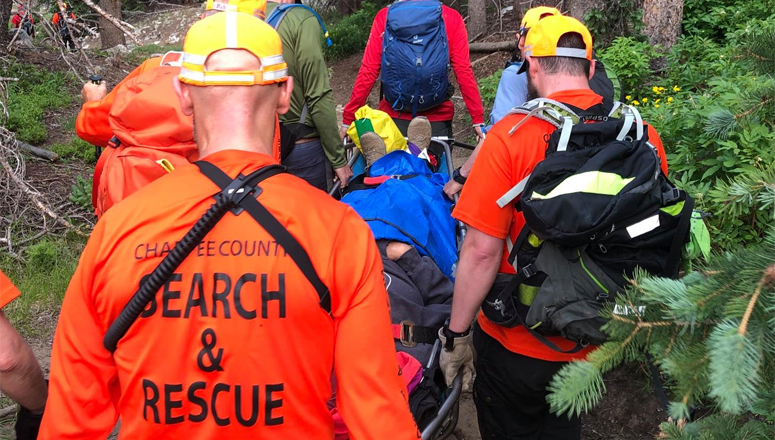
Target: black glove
<point x="27" y="424"/>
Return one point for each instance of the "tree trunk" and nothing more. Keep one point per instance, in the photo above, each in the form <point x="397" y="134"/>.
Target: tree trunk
<point x="579" y="8"/>
<point x="662" y="20"/>
<point x="477" y="17"/>
<point x="5" y="18"/>
<point x="347" y="7"/>
<point x="110" y="35"/>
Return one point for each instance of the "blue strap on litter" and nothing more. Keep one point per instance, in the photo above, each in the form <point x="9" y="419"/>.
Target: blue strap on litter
<point x="277" y="15"/>
<point x="413" y="211"/>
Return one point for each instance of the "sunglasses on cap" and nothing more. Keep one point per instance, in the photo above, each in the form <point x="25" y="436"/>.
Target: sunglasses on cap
<point x="522" y="31"/>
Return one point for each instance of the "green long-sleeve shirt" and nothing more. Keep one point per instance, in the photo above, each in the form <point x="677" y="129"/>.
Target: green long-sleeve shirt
<point x="302" y="40"/>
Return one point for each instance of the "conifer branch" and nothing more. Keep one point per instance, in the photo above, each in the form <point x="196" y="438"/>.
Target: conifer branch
<point x="767" y="278"/>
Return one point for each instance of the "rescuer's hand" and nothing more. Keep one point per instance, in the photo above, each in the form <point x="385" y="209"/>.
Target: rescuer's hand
<point x="459" y="360"/>
<point x="344" y="174"/>
<point x="94" y="92"/>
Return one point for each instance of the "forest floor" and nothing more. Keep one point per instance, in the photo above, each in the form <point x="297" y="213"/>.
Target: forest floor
<point x="628" y="411"/>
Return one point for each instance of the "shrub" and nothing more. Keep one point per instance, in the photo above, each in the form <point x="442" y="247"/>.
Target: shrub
<point x="488" y="86"/>
<point x="350" y="34"/>
<point x="717" y="19"/>
<point x="630" y="59"/>
<point x="77" y="149"/>
<point x="37" y="91"/>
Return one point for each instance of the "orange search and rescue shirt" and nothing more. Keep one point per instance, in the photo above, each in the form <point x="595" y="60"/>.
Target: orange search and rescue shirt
<point x="8" y="292"/>
<point x="503" y="161"/>
<point x="235" y="344"/>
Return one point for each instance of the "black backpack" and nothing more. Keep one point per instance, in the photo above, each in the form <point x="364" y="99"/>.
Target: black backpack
<point x="596" y="208"/>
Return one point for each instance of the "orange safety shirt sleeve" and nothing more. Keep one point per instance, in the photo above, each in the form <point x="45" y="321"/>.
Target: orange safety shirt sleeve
<point x="8" y="292"/>
<point x="367" y="373"/>
<point x="83" y="386"/>
<point x="92" y="124"/>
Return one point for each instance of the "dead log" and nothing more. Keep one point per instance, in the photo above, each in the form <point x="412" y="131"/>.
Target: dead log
<point x="7" y="411"/>
<point x="39" y="152"/>
<point x="492" y="47"/>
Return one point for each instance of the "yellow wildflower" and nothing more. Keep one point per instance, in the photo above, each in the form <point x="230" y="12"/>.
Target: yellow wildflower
<point x="657" y="101"/>
<point x="656" y="105"/>
<point x="676" y="89"/>
<point x="635" y="103"/>
<point x="628" y="97"/>
<point x="656" y="90"/>
<point x="669" y="99"/>
<point x="645" y="100"/>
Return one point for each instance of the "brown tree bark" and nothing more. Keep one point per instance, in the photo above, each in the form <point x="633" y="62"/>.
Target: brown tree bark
<point x="662" y="20"/>
<point x="5" y="18"/>
<point x="477" y="17"/>
<point x="110" y="35"/>
<point x="347" y="7"/>
<point x="579" y="8"/>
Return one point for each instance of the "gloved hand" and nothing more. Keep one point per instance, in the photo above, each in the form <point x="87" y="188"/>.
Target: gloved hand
<point x="27" y="424"/>
<point x="460" y="360"/>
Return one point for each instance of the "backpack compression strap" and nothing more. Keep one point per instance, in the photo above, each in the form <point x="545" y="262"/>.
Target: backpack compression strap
<point x="283" y="237"/>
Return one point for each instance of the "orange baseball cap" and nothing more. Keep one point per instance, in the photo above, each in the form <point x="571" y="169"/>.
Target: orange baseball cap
<point x="533" y="15"/>
<point x="232" y="30"/>
<point x="256" y="8"/>
<point x="542" y="39"/>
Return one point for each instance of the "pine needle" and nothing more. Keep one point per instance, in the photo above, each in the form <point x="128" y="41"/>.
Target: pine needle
<point x="734" y="368"/>
<point x="575" y="389"/>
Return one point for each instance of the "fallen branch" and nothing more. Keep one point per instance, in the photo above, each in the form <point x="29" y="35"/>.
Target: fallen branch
<point x="475" y="62"/>
<point x="39" y="152"/>
<point x="492" y="47"/>
<point x="7" y="411"/>
<point x="113" y="20"/>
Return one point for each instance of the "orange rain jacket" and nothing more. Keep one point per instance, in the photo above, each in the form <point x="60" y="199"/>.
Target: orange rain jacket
<point x="142" y="111"/>
<point x="235" y="344"/>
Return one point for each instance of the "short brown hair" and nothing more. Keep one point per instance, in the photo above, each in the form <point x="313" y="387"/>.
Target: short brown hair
<point x="567" y="65"/>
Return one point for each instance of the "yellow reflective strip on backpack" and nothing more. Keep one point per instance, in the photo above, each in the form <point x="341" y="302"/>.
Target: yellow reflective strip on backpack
<point x="592" y="182"/>
<point x="673" y="210"/>
<point x="164" y="163"/>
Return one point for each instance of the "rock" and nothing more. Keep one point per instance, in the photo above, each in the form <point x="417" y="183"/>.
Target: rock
<point x="117" y="50"/>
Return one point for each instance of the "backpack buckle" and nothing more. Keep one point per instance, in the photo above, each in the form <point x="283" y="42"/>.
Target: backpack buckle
<point x="528" y="271"/>
<point x="671" y="196"/>
<point x="114" y="142"/>
<point x="407" y="334"/>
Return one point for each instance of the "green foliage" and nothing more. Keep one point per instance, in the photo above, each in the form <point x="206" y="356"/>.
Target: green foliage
<point x="80" y="193"/>
<point x="77" y="149"/>
<point x="711" y="333"/>
<point x="43" y="280"/>
<point x="717" y="427"/>
<point x="617" y="18"/>
<point x="630" y="59"/>
<point x="350" y="34"/>
<point x="488" y="86"/>
<point x="37" y="91"/>
<point x="716" y="19"/>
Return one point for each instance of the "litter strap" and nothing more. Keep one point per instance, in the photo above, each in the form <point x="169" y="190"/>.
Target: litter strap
<point x="410" y="335"/>
<point x="283" y="237"/>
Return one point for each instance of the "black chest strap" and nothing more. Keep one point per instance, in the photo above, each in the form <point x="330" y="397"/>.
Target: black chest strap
<point x="273" y="226"/>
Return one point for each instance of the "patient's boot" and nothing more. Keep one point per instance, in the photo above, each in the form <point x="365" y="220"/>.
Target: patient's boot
<point x="419" y="132"/>
<point x="373" y="147"/>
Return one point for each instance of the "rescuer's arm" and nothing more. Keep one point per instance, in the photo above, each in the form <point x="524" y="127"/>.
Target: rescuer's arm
<point x="371" y="396"/>
<point x="20" y="376"/>
<point x="317" y="90"/>
<point x="92" y="123"/>
<point x="83" y="385"/>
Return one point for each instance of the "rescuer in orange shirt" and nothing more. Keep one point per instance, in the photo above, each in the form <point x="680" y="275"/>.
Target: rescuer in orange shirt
<point x="235" y="344"/>
<point x="142" y="111"/>
<point x="513" y="367"/>
<point x="20" y="376"/>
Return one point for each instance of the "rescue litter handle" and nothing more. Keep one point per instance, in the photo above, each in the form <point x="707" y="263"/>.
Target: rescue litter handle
<point x="231" y="196"/>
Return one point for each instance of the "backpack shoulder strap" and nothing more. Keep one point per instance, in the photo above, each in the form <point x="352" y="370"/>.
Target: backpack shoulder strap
<point x="273" y="226"/>
<point x="278" y="14"/>
<point x="172" y="58"/>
